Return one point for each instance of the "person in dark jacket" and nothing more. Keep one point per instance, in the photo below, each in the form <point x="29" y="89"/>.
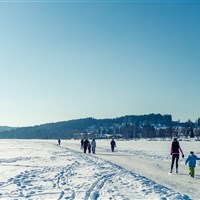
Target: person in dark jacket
<point x="82" y="143"/>
<point x="191" y="160"/>
<point x="175" y="148"/>
<point x="85" y="145"/>
<point x="59" y="141"/>
<point x="113" y="145"/>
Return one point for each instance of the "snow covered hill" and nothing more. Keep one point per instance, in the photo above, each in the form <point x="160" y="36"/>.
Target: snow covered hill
<point x="40" y="169"/>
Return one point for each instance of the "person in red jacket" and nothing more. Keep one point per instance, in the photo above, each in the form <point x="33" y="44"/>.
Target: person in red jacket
<point x="175" y="149"/>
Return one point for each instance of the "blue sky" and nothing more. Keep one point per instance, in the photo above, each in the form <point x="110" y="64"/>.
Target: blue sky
<point x="104" y="59"/>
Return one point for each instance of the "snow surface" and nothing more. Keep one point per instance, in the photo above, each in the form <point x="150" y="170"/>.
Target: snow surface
<point x="40" y="169"/>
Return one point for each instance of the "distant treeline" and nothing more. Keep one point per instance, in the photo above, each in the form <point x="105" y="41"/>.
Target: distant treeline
<point x="131" y="126"/>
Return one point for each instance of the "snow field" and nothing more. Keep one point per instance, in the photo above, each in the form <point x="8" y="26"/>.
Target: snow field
<point x="40" y="169"/>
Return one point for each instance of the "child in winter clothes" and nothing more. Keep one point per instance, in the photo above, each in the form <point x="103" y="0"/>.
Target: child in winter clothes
<point x="89" y="147"/>
<point x="191" y="160"/>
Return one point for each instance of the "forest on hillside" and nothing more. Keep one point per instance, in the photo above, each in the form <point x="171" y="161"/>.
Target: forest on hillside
<point x="130" y="126"/>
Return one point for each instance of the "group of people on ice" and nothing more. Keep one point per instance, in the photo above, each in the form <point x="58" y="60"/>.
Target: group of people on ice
<point x="191" y="159"/>
<point x="175" y="150"/>
<point x="87" y="145"/>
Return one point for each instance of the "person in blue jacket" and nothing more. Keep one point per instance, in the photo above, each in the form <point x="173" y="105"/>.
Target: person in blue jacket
<point x="191" y="160"/>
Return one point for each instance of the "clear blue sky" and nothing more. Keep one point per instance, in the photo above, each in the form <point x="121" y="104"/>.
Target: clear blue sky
<point x="104" y="59"/>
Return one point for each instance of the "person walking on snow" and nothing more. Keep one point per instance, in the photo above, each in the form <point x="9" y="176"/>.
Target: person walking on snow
<point x="113" y="145"/>
<point x="85" y="145"/>
<point x="82" y="143"/>
<point x="93" y="143"/>
<point x="191" y="160"/>
<point x="175" y="148"/>
<point x="59" y="141"/>
<point x="89" y="147"/>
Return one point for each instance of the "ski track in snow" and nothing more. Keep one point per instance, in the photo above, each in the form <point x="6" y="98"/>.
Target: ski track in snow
<point x="82" y="177"/>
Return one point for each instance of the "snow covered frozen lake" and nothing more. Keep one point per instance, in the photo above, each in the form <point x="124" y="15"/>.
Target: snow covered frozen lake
<point x="40" y="169"/>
